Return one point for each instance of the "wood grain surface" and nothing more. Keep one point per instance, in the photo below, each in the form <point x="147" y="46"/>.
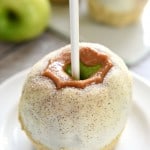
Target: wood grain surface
<point x="17" y="57"/>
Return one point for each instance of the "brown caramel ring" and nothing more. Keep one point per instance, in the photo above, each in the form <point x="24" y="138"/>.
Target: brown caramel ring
<point x="56" y="67"/>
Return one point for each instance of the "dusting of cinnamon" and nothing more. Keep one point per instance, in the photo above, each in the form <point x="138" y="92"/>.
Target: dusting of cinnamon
<point x="55" y="69"/>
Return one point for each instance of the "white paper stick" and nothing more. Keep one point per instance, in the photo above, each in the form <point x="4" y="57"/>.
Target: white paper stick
<point x="74" y="35"/>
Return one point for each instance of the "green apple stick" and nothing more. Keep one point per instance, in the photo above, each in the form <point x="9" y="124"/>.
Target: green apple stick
<point x="74" y="37"/>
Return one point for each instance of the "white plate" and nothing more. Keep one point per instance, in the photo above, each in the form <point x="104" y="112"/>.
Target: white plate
<point x="136" y="135"/>
<point x="131" y="43"/>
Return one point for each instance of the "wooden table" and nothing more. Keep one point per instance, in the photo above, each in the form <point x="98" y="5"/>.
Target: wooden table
<point x="17" y="57"/>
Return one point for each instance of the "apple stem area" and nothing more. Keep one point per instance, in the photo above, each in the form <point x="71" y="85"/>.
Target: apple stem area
<point x="12" y="15"/>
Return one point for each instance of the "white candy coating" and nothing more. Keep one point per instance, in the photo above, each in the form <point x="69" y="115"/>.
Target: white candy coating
<point x="119" y="5"/>
<point x="72" y="118"/>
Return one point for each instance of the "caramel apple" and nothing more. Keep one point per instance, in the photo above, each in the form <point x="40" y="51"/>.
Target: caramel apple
<point x="116" y="12"/>
<point x="58" y="112"/>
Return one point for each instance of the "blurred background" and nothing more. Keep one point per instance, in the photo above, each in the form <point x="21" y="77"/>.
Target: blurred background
<point x="29" y="30"/>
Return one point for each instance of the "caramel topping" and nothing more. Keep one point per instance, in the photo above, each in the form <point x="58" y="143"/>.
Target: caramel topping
<point x="56" y="68"/>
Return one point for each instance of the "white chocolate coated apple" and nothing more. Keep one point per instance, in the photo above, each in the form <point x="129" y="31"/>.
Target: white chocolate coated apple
<point x="116" y="13"/>
<point x="119" y="5"/>
<point x="72" y="118"/>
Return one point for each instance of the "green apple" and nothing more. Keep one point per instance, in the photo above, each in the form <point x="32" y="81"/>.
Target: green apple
<point x="85" y="71"/>
<point x="60" y="1"/>
<point x="21" y="20"/>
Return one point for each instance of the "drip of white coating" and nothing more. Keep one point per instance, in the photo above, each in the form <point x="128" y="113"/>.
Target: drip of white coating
<point x="74" y="36"/>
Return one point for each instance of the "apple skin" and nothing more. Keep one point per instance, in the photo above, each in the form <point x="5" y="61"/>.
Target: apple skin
<point x="60" y="1"/>
<point x="85" y="71"/>
<point x="21" y="20"/>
